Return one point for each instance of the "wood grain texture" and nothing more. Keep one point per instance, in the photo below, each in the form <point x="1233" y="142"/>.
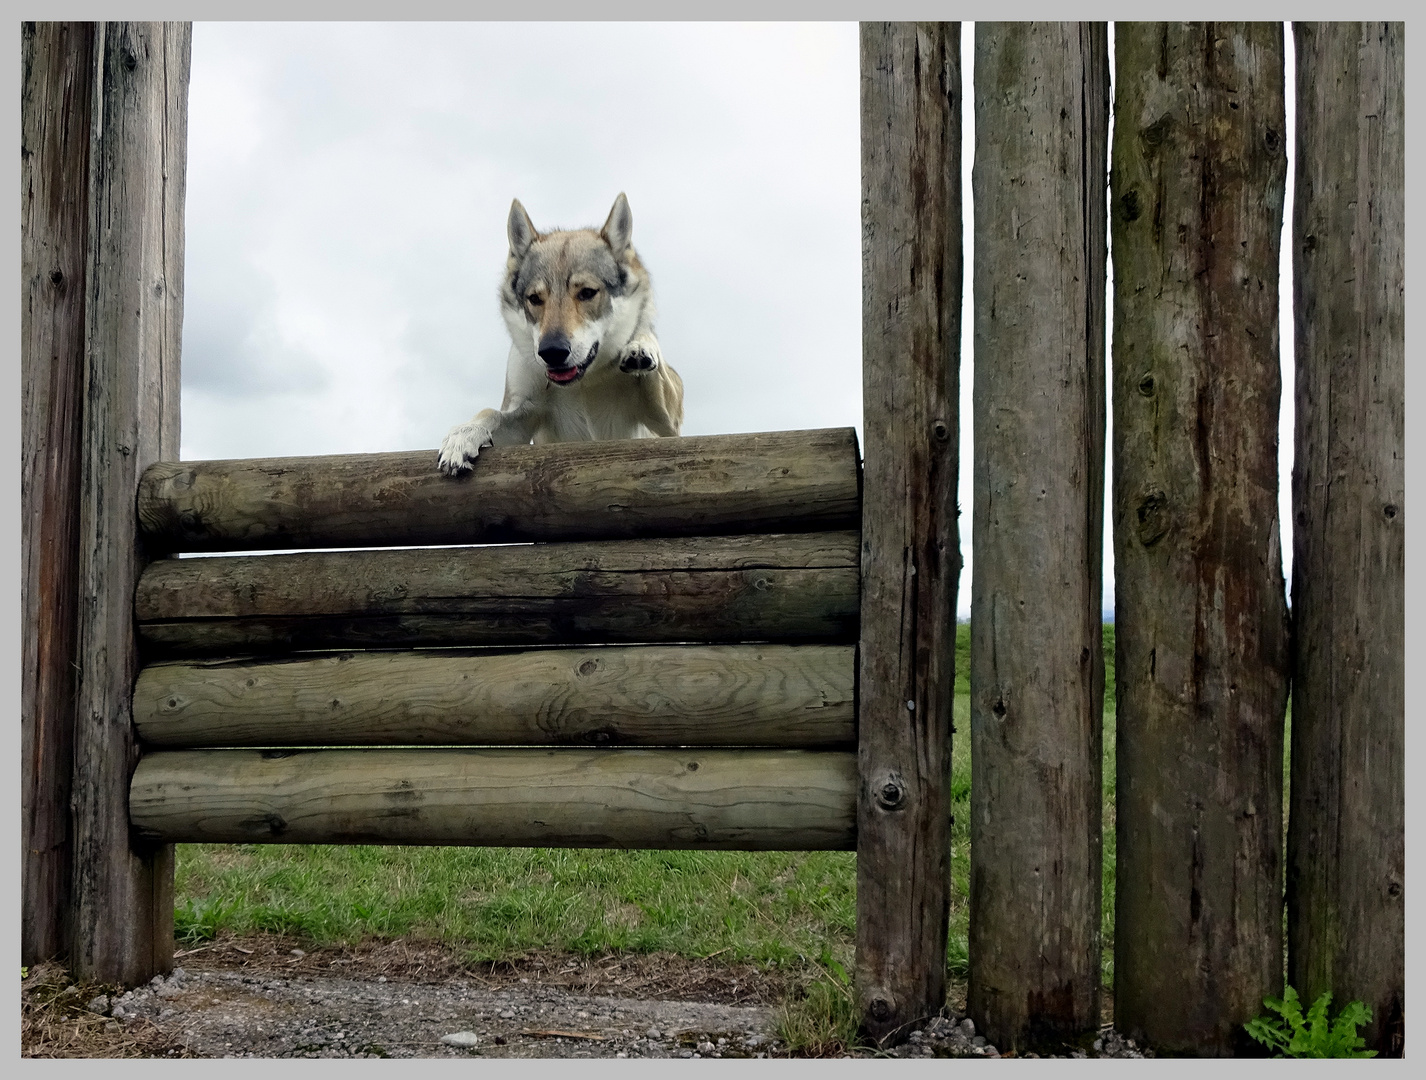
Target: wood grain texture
<point x="800" y="586"/>
<point x="798" y="696"/>
<point x="911" y="289"/>
<point x="1036" y="678"/>
<point x="1346" y="889"/>
<point x="746" y="800"/>
<point x="1199" y="170"/>
<point x="703" y="485"/>
<point x="123" y="902"/>
<point x="56" y="99"/>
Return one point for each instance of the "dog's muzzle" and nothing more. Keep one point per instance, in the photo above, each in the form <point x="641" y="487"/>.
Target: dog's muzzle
<point x="566" y="372"/>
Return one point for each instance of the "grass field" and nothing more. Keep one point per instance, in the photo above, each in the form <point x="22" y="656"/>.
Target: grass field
<point x="792" y="909"/>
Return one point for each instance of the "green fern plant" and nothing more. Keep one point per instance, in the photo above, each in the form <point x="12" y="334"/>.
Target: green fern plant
<point x="1295" y="1036"/>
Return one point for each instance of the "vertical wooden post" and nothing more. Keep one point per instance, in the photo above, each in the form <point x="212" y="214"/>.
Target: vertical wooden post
<point x="1346" y="838"/>
<point x="123" y="902"/>
<point x="58" y="60"/>
<point x="1037" y="677"/>
<point x="1199" y="171"/>
<point x="911" y="286"/>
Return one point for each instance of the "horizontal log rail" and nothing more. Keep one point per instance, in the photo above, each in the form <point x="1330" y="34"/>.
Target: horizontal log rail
<point x="781" y="587"/>
<point x="799" y="696"/>
<point x="788" y="481"/>
<point x="751" y="800"/>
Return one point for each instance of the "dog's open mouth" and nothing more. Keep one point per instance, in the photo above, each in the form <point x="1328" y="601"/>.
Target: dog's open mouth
<point x="573" y="372"/>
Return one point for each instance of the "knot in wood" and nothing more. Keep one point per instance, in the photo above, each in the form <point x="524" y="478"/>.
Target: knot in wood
<point x="891" y="792"/>
<point x="879" y="1008"/>
<point x="1154" y="518"/>
<point x="940" y="431"/>
<point x="1146" y="386"/>
<point x="1129" y="205"/>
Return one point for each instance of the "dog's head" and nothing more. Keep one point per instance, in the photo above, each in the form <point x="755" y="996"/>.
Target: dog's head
<point x="570" y="289"/>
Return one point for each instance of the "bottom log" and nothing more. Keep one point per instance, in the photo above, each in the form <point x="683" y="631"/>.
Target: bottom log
<point x="750" y="800"/>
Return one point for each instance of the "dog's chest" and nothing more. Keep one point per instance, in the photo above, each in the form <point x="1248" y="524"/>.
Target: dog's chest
<point x="595" y="412"/>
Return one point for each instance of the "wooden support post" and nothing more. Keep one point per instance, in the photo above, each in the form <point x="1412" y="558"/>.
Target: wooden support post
<point x="1199" y="170"/>
<point x="911" y="288"/>
<point x="58" y="63"/>
<point x="1037" y="678"/>
<point x="1346" y="838"/>
<point x="123" y="902"/>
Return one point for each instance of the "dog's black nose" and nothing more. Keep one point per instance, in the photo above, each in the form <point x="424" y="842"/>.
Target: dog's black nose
<point x="555" y="352"/>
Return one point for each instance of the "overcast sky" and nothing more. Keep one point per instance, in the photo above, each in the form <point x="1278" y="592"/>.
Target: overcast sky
<point x="348" y="186"/>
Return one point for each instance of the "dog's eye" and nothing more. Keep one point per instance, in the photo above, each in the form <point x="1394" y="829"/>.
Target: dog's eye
<point x="534" y="300"/>
<point x="587" y="294"/>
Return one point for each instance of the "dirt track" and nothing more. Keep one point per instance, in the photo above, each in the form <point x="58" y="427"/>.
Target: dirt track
<point x="266" y="997"/>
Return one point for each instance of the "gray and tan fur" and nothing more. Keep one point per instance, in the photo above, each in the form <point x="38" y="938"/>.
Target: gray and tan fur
<point x="584" y="363"/>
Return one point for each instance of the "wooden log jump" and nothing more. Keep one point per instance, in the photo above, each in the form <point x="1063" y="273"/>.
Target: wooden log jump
<point x="689" y="695"/>
<point x="793" y="587"/>
<point x="749" y="800"/>
<point x="787" y="481"/>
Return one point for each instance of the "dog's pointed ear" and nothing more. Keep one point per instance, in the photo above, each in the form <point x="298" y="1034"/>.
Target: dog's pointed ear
<point x="620" y="226"/>
<point x="520" y="229"/>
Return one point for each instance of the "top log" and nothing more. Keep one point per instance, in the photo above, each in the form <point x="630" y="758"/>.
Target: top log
<point x="789" y="481"/>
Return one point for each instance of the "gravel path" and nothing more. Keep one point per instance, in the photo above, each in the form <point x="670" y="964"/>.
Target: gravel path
<point x="230" y="1014"/>
<point x="264" y="997"/>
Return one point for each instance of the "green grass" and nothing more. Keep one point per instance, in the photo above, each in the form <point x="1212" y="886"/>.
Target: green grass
<point x="492" y="903"/>
<point x="794" y="910"/>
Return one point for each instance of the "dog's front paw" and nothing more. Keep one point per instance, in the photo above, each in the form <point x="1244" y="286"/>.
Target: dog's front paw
<point x="640" y="357"/>
<point x="460" y="448"/>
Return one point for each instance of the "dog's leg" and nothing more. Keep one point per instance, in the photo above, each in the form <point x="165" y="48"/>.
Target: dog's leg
<point x="660" y="388"/>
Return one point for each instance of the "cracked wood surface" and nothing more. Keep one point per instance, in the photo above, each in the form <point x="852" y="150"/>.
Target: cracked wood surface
<point x="795" y="587"/>
<point x="123" y="891"/>
<point x="1346" y="848"/>
<point x="1197" y="187"/>
<point x="911" y="302"/>
<point x="55" y="107"/>
<point x="1036" y="678"/>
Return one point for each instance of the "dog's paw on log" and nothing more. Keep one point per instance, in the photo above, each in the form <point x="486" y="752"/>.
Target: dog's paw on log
<point x="461" y="446"/>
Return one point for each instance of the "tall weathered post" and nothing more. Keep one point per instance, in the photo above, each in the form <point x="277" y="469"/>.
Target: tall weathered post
<point x="1346" y="850"/>
<point x="123" y="890"/>
<point x="58" y="64"/>
<point x="1199" y="170"/>
<point x="911" y="286"/>
<point x="1037" y="678"/>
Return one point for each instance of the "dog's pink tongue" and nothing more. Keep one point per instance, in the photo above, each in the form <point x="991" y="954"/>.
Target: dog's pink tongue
<point x="566" y="375"/>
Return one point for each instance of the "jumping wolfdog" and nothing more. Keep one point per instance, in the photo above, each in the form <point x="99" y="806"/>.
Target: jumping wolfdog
<point x="584" y="363"/>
